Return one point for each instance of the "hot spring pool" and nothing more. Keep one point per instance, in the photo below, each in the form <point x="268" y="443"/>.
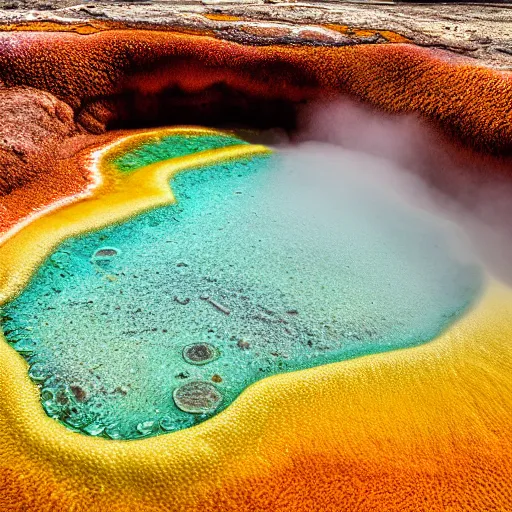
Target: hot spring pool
<point x="264" y="265"/>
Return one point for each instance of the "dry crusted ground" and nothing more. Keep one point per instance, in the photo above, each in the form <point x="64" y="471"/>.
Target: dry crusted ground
<point x="478" y="31"/>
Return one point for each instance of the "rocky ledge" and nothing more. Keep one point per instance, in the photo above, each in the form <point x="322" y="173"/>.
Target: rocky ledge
<point x="480" y="32"/>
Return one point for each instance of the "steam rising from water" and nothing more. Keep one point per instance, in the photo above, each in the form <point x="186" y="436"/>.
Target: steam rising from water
<point x="419" y="166"/>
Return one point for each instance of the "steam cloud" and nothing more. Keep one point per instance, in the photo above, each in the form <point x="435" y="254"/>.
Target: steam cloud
<point x="417" y="164"/>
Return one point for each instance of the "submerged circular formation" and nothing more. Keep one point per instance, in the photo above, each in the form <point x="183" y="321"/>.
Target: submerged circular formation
<point x="197" y="397"/>
<point x="105" y="253"/>
<point x="200" y="353"/>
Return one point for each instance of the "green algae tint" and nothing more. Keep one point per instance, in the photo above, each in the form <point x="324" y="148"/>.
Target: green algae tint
<point x="171" y="146"/>
<point x="270" y="271"/>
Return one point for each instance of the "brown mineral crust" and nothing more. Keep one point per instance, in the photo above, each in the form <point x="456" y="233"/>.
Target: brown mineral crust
<point x="38" y="139"/>
<point x="472" y="104"/>
<point x="59" y="176"/>
<point x="32" y="125"/>
<point x="271" y="32"/>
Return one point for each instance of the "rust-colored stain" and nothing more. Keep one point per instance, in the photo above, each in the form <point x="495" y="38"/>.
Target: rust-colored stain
<point x="90" y="27"/>
<point x="221" y="17"/>
<point x="250" y="26"/>
<point x="388" y="35"/>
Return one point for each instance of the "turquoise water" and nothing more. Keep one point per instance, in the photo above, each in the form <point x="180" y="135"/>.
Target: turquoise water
<point x="268" y="268"/>
<point x="172" y="146"/>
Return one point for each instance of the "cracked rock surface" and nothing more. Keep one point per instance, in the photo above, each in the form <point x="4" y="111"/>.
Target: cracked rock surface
<point x="481" y="32"/>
